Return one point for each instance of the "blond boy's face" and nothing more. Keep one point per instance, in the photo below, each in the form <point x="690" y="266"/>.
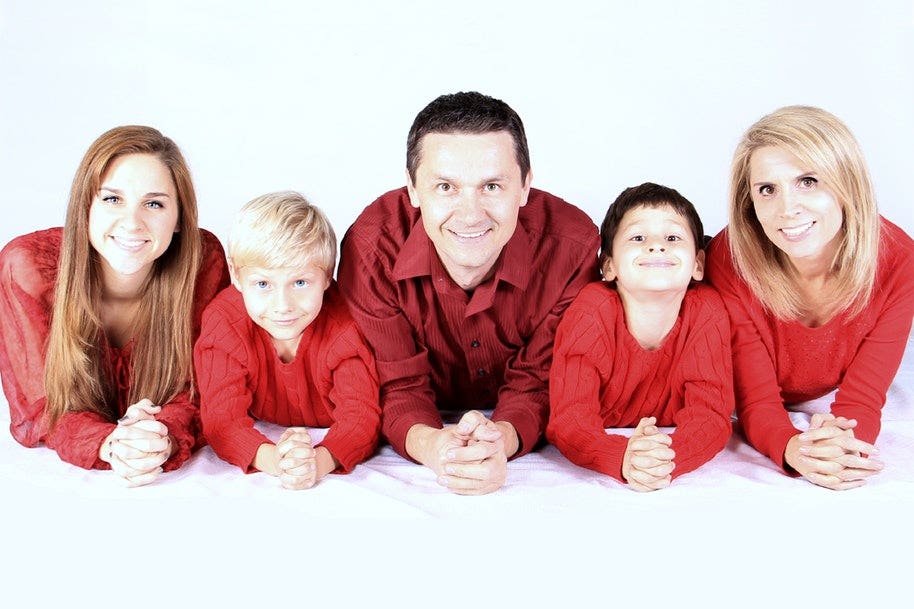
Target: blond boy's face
<point x="654" y="251"/>
<point x="282" y="301"/>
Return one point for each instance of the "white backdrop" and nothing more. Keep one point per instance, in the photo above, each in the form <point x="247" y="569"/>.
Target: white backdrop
<point x="319" y="96"/>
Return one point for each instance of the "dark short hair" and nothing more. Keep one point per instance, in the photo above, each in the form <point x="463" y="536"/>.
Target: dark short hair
<point x="466" y="112"/>
<point x="646" y="195"/>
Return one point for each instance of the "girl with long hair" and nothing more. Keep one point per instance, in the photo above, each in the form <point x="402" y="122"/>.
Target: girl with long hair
<point x="99" y="317"/>
<point x="820" y="292"/>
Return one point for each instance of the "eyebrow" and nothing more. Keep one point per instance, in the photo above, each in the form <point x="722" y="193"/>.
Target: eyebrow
<point x="804" y="174"/>
<point x="147" y="195"/>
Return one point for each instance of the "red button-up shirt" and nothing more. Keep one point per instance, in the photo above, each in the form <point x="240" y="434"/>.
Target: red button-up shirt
<point x="440" y="348"/>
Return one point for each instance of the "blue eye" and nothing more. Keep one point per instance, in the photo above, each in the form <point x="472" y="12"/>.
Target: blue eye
<point x="154" y="204"/>
<point x="111" y="199"/>
<point x="262" y="285"/>
<point x="302" y="283"/>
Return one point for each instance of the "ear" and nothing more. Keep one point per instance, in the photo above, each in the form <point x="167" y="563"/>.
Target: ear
<point x="699" y="272"/>
<point x="233" y="275"/>
<point x="411" y="189"/>
<point x="526" y="187"/>
<point x="609" y="273"/>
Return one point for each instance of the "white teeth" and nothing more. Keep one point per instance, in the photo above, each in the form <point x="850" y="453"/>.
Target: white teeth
<point x="796" y="231"/>
<point x="470" y="235"/>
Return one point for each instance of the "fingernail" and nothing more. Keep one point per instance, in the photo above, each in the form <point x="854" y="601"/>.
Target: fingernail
<point x="442" y="480"/>
<point x="804" y="449"/>
<point x="451" y="454"/>
<point x="450" y="469"/>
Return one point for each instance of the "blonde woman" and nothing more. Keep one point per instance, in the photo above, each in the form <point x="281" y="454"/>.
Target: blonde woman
<point x="820" y="292"/>
<point x="98" y="318"/>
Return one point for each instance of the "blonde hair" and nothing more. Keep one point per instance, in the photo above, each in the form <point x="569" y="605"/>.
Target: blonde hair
<point x="821" y="141"/>
<point x="282" y="229"/>
<point x="77" y="377"/>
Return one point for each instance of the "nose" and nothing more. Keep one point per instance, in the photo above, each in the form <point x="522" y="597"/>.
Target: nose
<point x="132" y="217"/>
<point x="470" y="210"/>
<point x="281" y="300"/>
<point x="789" y="203"/>
<point x="656" y="245"/>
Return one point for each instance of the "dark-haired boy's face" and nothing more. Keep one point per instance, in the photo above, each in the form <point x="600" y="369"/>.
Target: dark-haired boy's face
<point x="654" y="251"/>
<point x="469" y="190"/>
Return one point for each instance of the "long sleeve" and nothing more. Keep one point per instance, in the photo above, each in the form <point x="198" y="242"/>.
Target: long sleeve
<point x="583" y="357"/>
<point x="354" y="395"/>
<point x="402" y="364"/>
<point x="223" y="364"/>
<point x="759" y="405"/>
<point x="862" y="391"/>
<point x="28" y="270"/>
<point x="524" y="399"/>
<point x="705" y="372"/>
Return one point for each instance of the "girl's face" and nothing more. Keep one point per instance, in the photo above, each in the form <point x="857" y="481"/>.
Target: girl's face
<point x="133" y="216"/>
<point x="797" y="210"/>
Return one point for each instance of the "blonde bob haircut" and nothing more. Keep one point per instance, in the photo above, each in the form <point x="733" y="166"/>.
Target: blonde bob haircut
<point x="824" y="144"/>
<point x="282" y="230"/>
<point x="77" y="377"/>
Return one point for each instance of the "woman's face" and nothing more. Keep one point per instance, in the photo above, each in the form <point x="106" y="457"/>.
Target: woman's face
<point x="133" y="216"/>
<point x="797" y="210"/>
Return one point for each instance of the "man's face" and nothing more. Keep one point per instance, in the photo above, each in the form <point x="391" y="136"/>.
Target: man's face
<point x="469" y="190"/>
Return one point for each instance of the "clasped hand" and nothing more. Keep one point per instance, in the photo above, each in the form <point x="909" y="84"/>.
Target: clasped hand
<point x="296" y="459"/>
<point x="469" y="458"/>
<point x="138" y="446"/>
<point x="828" y="454"/>
<point x="648" y="461"/>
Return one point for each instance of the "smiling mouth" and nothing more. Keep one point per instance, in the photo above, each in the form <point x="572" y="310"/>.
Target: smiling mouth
<point x="469" y="236"/>
<point x="794" y="232"/>
<point x="128" y="244"/>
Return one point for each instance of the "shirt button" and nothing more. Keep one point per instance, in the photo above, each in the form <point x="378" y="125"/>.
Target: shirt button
<point x="474" y="344"/>
<point x="481" y="372"/>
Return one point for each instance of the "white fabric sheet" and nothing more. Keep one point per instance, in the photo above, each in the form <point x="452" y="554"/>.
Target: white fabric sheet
<point x="736" y="516"/>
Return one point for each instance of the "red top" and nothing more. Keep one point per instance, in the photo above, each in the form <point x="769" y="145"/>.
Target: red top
<point x="28" y="270"/>
<point x="332" y="382"/>
<point x="777" y="362"/>
<point x="601" y="377"/>
<point x="440" y="348"/>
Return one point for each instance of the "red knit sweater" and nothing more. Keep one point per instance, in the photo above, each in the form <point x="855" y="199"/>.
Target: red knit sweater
<point x="332" y="382"/>
<point x="777" y="362"/>
<point x="28" y="270"/>
<point x="601" y="377"/>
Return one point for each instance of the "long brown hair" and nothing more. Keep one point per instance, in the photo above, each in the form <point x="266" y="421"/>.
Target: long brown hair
<point x="820" y="140"/>
<point x="76" y="372"/>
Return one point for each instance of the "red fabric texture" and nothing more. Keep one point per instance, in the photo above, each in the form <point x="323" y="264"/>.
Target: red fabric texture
<point x="28" y="270"/>
<point x="439" y="348"/>
<point x="332" y="382"/>
<point x="602" y="378"/>
<point x="780" y="362"/>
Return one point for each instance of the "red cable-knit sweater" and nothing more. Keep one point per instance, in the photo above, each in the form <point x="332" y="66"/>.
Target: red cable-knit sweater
<point x="332" y="382"/>
<point x="602" y="378"/>
<point x="28" y="270"/>
<point x="777" y="362"/>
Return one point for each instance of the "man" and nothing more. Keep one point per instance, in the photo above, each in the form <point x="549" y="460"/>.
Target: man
<point x="458" y="282"/>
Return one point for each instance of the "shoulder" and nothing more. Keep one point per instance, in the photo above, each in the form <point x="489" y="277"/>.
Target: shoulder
<point x="226" y="308"/>
<point x="390" y="214"/>
<point x="597" y="299"/>
<point x="211" y="246"/>
<point x="32" y="256"/>
<point x="703" y="301"/>
<point x="548" y="216"/>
